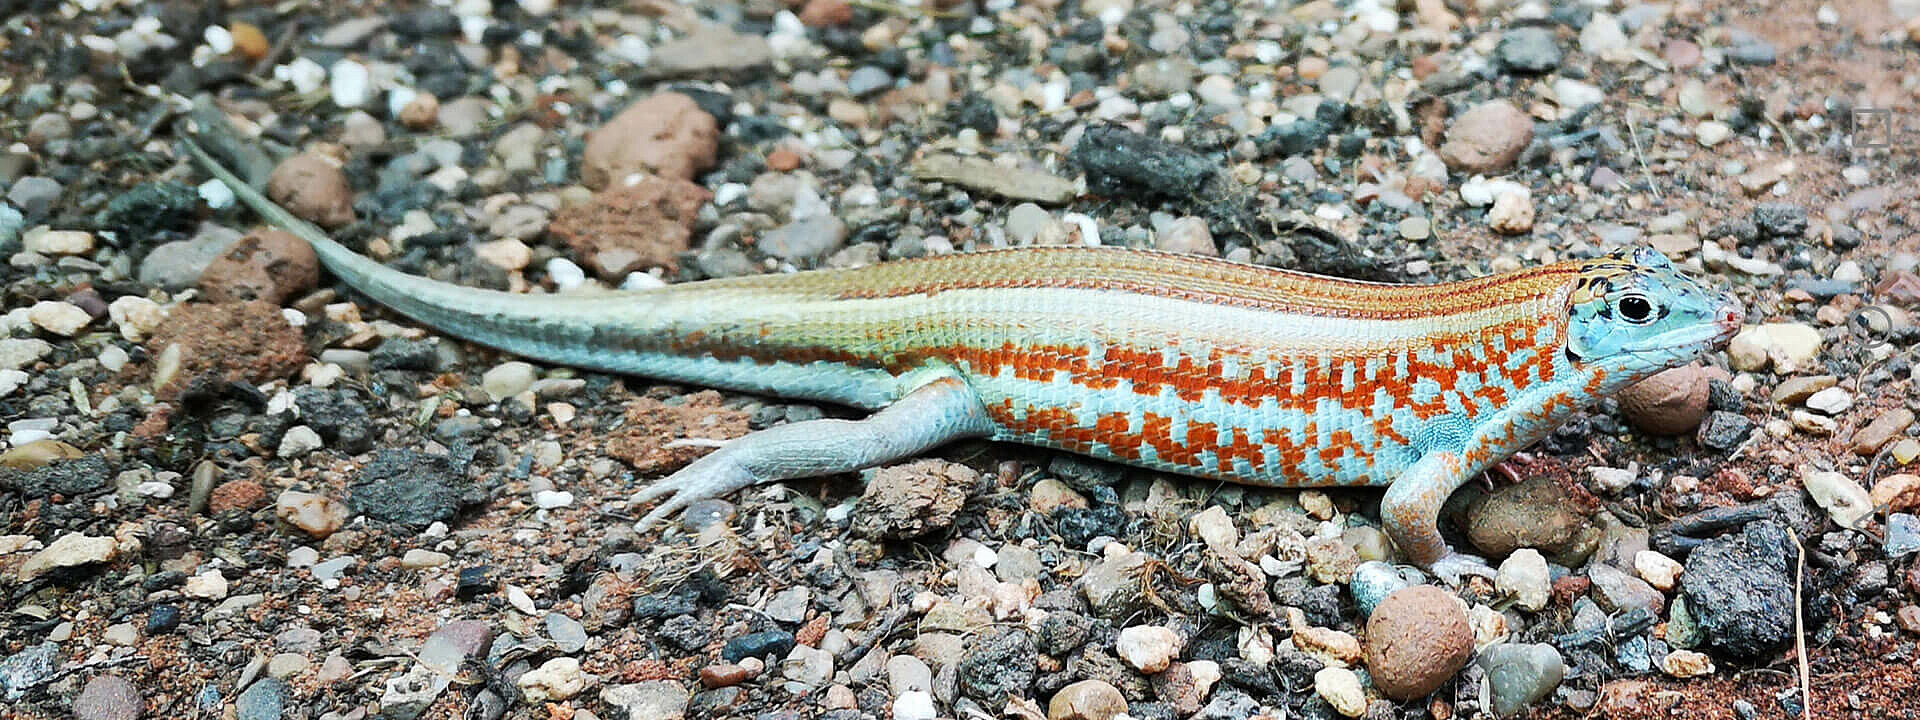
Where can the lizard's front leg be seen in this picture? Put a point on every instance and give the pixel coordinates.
(934, 414)
(1410, 512)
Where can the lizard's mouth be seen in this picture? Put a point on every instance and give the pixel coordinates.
(1686, 343)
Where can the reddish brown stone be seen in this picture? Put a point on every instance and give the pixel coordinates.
(1901, 287)
(913, 499)
(628, 228)
(653, 425)
(665, 135)
(227, 342)
(719, 676)
(313, 187)
(1683, 54)
(268, 264)
(240, 494)
(422, 112)
(1487, 139)
(827, 13)
(1671, 402)
(1416, 640)
(811, 633)
(783, 160)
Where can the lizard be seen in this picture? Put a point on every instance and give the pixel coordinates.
(1172, 362)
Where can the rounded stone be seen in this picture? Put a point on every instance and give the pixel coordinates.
(266, 264)
(1672, 402)
(1416, 640)
(1087, 700)
(108, 697)
(314, 188)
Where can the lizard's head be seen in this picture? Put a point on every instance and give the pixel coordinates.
(1633, 314)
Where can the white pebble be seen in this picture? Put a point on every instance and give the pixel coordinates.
(350, 84)
(58, 242)
(1712, 132)
(219, 40)
(306, 76)
(136, 316)
(641, 281)
(298, 441)
(60, 318)
(43, 424)
(519, 599)
(985, 556)
(550, 499)
(565, 274)
(914, 705)
(302, 557)
(28, 437)
(1831, 401)
(398, 98)
(217, 194)
(633, 49)
(113, 358)
(728, 193)
(11, 380)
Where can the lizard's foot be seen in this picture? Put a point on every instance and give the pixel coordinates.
(1506, 472)
(717, 473)
(1456, 566)
(932, 415)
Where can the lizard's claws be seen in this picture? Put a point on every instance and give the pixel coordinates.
(713, 475)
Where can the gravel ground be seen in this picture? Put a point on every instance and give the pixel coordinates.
(231, 488)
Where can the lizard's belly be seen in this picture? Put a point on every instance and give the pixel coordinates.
(1207, 433)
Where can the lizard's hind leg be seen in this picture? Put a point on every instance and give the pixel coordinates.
(934, 414)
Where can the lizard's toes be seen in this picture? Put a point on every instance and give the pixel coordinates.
(679, 501)
(711, 476)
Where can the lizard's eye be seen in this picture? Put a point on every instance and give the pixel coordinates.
(1636, 309)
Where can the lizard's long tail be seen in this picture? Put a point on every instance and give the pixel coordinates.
(694, 333)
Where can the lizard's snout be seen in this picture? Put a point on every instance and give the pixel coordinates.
(1732, 315)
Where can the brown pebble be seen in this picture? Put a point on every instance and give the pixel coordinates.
(783, 160)
(38, 454)
(1416, 640)
(242, 494)
(1909, 618)
(267, 264)
(313, 187)
(811, 633)
(249, 41)
(1672, 402)
(1899, 492)
(910, 500)
(719, 676)
(827, 13)
(226, 342)
(627, 228)
(666, 134)
(1487, 139)
(1882, 430)
(421, 112)
(1087, 700)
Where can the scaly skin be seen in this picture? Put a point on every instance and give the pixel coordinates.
(1177, 363)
